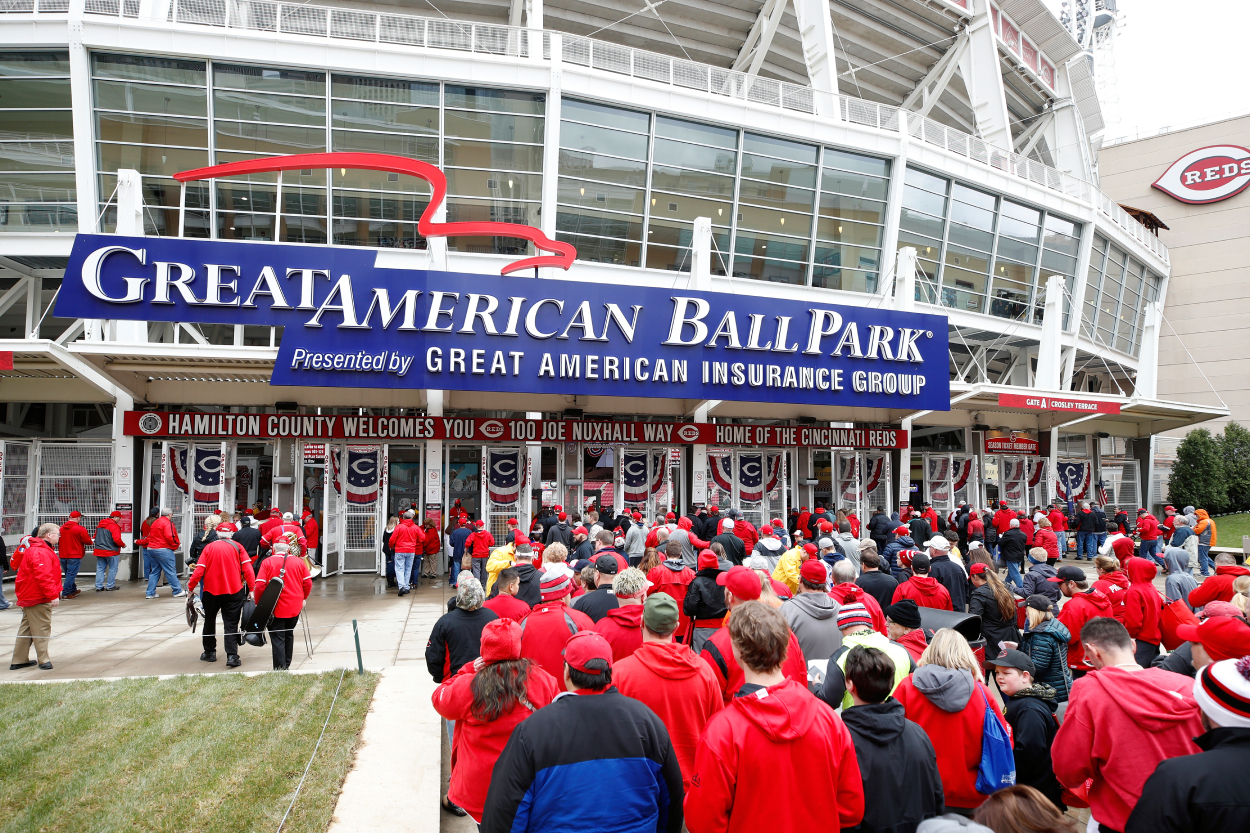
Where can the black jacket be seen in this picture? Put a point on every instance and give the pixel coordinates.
(921, 532)
(880, 529)
(1087, 522)
(249, 538)
(1031, 715)
(1013, 546)
(560, 532)
(1203, 793)
(705, 599)
(531, 591)
(735, 550)
(880, 585)
(201, 541)
(951, 576)
(1180, 661)
(896, 759)
(597, 602)
(993, 627)
(456, 639)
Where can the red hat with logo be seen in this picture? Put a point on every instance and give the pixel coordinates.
(480, 522)
(811, 549)
(583, 647)
(766, 530)
(637, 515)
(814, 571)
(116, 513)
(740, 581)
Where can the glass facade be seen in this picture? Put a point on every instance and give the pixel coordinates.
(1117, 290)
(37, 189)
(983, 253)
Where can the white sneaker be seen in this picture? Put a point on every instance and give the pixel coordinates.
(180, 594)
(153, 596)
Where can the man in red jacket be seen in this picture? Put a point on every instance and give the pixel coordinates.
(1084, 603)
(278, 531)
(74, 543)
(1219, 587)
(922, 588)
(551, 623)
(1148, 532)
(745, 531)
(312, 534)
(1059, 526)
(270, 519)
(1002, 518)
(479, 544)
(1122, 721)
(1143, 609)
(38, 589)
(296, 586)
(741, 586)
(224, 568)
(776, 741)
(673, 577)
(162, 542)
(505, 603)
(108, 546)
(670, 679)
(407, 540)
(622, 625)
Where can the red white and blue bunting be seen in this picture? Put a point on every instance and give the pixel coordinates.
(750, 474)
(1073, 481)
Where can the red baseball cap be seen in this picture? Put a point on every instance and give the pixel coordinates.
(901, 528)
(1222, 637)
(116, 513)
(480, 522)
(740, 581)
(814, 571)
(977, 569)
(777, 522)
(766, 530)
(512, 522)
(712, 509)
(637, 516)
(562, 517)
(75, 514)
(811, 549)
(558, 508)
(670, 516)
(581, 530)
(583, 647)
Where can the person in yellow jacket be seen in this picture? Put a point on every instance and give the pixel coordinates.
(791, 561)
(500, 559)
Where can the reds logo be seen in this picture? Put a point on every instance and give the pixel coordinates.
(1207, 175)
(493, 429)
(688, 433)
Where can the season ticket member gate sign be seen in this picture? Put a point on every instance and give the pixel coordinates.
(350, 323)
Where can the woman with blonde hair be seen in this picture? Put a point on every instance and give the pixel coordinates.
(1241, 592)
(1045, 641)
(947, 698)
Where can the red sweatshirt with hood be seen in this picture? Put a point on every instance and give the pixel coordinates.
(622, 627)
(744, 530)
(1119, 726)
(546, 629)
(1219, 587)
(1075, 613)
(719, 656)
(950, 706)
(678, 686)
(778, 743)
(925, 591)
(1143, 606)
(1114, 586)
(845, 594)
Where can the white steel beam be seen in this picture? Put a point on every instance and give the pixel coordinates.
(15, 293)
(816, 33)
(984, 80)
(759, 39)
(1034, 133)
(1049, 371)
(926, 94)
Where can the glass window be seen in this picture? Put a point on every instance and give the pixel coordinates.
(143, 68)
(778, 171)
(696, 157)
(28, 93)
(603, 168)
(925, 181)
(688, 131)
(33, 64)
(842, 160)
(133, 97)
(502, 101)
(856, 185)
(424, 148)
(589, 194)
(384, 90)
(595, 140)
(494, 127)
(263, 79)
(610, 117)
(779, 148)
(265, 107)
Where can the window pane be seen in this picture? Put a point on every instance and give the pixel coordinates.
(494, 184)
(613, 117)
(692, 182)
(252, 137)
(149, 98)
(603, 250)
(584, 137)
(37, 188)
(844, 231)
(262, 107)
(39, 125)
(852, 208)
(1056, 263)
(681, 154)
(771, 246)
(682, 207)
(925, 247)
(36, 219)
(599, 223)
(773, 221)
(861, 257)
(962, 279)
(689, 131)
(374, 206)
(606, 168)
(140, 68)
(1010, 227)
(1058, 225)
(855, 185)
(1016, 251)
(968, 260)
(469, 154)
(374, 181)
(962, 235)
(260, 79)
(774, 271)
(971, 216)
(776, 170)
(36, 156)
(18, 93)
(18, 64)
(390, 117)
(149, 159)
(848, 280)
(920, 179)
(387, 90)
(507, 101)
(151, 130)
(924, 201)
(587, 194)
(973, 197)
(424, 148)
(776, 196)
(854, 162)
(782, 148)
(497, 127)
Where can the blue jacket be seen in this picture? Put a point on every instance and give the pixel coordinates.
(457, 544)
(606, 739)
(892, 550)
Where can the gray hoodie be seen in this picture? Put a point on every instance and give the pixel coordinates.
(947, 688)
(1179, 580)
(849, 545)
(814, 619)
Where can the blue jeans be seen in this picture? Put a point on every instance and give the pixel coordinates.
(4, 603)
(69, 566)
(1013, 574)
(106, 571)
(1204, 559)
(403, 568)
(1102, 539)
(162, 561)
(1086, 544)
(1150, 549)
(1061, 538)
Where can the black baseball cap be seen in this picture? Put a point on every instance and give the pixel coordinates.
(1014, 659)
(1038, 602)
(1068, 573)
(606, 564)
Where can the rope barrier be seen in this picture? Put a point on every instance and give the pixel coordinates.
(300, 785)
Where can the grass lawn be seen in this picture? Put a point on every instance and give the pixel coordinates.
(197, 753)
(1230, 528)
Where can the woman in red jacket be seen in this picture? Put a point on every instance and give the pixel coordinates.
(430, 550)
(296, 585)
(488, 698)
(1143, 608)
(946, 697)
(1112, 582)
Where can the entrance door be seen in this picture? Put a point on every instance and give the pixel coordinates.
(949, 479)
(751, 480)
(175, 491)
(648, 476)
(862, 481)
(504, 476)
(15, 491)
(359, 484)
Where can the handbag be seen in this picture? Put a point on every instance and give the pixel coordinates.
(998, 762)
(1174, 614)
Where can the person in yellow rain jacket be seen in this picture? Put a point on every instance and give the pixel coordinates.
(500, 558)
(791, 562)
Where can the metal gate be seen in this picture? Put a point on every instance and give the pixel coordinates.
(360, 485)
(332, 530)
(15, 491)
(647, 477)
(753, 481)
(862, 481)
(504, 486)
(949, 479)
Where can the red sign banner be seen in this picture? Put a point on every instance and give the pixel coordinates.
(1039, 402)
(192, 426)
(1011, 445)
(6, 359)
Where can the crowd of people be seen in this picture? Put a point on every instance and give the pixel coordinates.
(799, 675)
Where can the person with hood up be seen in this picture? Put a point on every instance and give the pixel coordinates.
(559, 532)
(488, 698)
(897, 762)
(902, 622)
(848, 545)
(787, 571)
(880, 528)
(1030, 708)
(947, 573)
(902, 541)
(856, 627)
(922, 588)
(1219, 587)
(1045, 642)
(552, 622)
(500, 557)
(1143, 608)
(1122, 721)
(671, 680)
(1204, 530)
(873, 580)
(691, 545)
(673, 577)
(769, 546)
(1037, 581)
(1222, 633)
(735, 549)
(622, 625)
(1084, 603)
(995, 604)
(812, 615)
(775, 758)
(946, 697)
(529, 590)
(744, 530)
(976, 527)
(1196, 793)
(107, 547)
(1112, 582)
(704, 604)
(1179, 582)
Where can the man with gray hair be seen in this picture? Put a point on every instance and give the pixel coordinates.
(1013, 546)
(622, 625)
(456, 638)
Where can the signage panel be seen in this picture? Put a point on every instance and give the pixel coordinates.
(1207, 175)
(1041, 402)
(352, 324)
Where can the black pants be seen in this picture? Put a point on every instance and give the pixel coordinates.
(1145, 653)
(231, 607)
(282, 639)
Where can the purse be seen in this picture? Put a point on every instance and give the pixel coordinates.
(1174, 614)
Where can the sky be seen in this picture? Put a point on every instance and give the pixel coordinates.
(1175, 69)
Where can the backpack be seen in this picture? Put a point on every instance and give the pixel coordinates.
(998, 762)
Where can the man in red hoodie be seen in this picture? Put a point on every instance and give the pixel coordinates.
(776, 741)
(1219, 587)
(1143, 608)
(225, 569)
(1002, 518)
(670, 679)
(551, 623)
(407, 540)
(1084, 603)
(622, 625)
(479, 544)
(1148, 532)
(741, 586)
(745, 530)
(38, 589)
(108, 546)
(922, 588)
(74, 543)
(673, 577)
(1122, 721)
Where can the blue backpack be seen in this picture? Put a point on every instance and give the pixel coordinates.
(998, 762)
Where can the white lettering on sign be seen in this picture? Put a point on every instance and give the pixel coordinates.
(1207, 175)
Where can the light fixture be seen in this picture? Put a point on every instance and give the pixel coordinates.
(653, 202)
(839, 229)
(509, 183)
(783, 221)
(720, 212)
(583, 190)
(342, 171)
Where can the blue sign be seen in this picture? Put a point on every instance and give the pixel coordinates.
(352, 324)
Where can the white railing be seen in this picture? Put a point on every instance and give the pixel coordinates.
(517, 42)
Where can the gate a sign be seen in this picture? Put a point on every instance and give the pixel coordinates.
(1207, 175)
